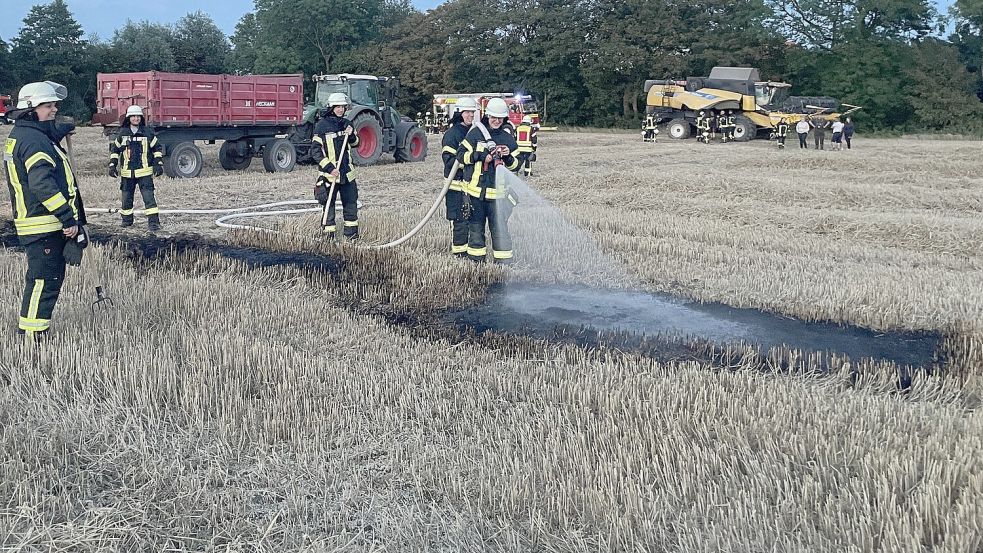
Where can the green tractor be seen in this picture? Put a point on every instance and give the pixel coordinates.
(380, 128)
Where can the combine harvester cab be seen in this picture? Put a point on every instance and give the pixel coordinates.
(380, 128)
(759, 105)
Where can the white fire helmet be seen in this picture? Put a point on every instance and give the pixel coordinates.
(134, 110)
(337, 99)
(497, 108)
(467, 104)
(33, 95)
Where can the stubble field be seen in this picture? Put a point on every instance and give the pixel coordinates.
(220, 407)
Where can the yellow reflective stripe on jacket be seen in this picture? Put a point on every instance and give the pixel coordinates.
(70, 179)
(42, 224)
(317, 139)
(450, 150)
(55, 202)
(20, 205)
(38, 157)
(457, 185)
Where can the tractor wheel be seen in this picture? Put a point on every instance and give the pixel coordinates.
(369, 148)
(279, 156)
(679, 129)
(744, 129)
(229, 158)
(414, 146)
(184, 161)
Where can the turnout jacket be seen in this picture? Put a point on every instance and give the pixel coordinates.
(42, 187)
(452, 144)
(329, 135)
(479, 177)
(136, 153)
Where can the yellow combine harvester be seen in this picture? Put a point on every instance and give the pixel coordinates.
(759, 105)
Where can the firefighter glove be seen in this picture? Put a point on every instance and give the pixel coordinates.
(74, 246)
(158, 169)
(113, 171)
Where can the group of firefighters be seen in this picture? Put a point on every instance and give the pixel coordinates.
(724, 123)
(49, 215)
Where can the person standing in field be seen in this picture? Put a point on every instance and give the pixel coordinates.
(135, 157)
(333, 139)
(48, 215)
(848, 132)
(802, 129)
(781, 131)
(456, 202)
(838, 135)
(482, 151)
(819, 132)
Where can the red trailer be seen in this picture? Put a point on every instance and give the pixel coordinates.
(252, 114)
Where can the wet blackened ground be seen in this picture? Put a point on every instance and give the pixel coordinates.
(541, 311)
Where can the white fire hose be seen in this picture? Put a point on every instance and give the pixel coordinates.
(264, 211)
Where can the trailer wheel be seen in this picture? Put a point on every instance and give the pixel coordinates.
(184, 161)
(279, 156)
(227, 156)
(414, 146)
(369, 133)
(744, 129)
(679, 129)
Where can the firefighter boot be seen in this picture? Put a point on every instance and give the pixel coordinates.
(126, 220)
(153, 223)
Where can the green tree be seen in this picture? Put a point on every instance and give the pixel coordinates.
(244, 45)
(317, 30)
(199, 46)
(142, 46)
(953, 105)
(50, 46)
(828, 24)
(7, 78)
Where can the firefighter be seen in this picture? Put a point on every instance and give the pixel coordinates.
(47, 206)
(731, 124)
(650, 130)
(458, 206)
(136, 158)
(720, 122)
(483, 149)
(334, 137)
(781, 131)
(526, 139)
(703, 126)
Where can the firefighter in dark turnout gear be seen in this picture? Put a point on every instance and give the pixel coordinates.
(333, 139)
(527, 141)
(457, 203)
(781, 131)
(47, 206)
(490, 206)
(650, 129)
(136, 157)
(703, 127)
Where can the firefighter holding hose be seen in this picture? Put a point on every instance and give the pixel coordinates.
(47, 205)
(482, 151)
(135, 157)
(458, 206)
(333, 139)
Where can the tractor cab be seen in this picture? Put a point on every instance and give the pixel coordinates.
(372, 111)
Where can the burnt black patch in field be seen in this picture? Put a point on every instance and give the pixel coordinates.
(639, 321)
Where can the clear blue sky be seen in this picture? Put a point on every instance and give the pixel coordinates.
(104, 16)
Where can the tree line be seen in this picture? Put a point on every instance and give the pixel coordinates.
(586, 60)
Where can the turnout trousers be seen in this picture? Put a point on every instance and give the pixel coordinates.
(128, 187)
(349, 208)
(494, 214)
(42, 284)
(458, 205)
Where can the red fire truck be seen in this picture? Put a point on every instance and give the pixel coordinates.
(6, 104)
(445, 106)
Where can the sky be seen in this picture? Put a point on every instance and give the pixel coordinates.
(102, 17)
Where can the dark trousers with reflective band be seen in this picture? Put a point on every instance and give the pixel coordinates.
(349, 208)
(494, 214)
(128, 186)
(525, 163)
(45, 275)
(455, 201)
